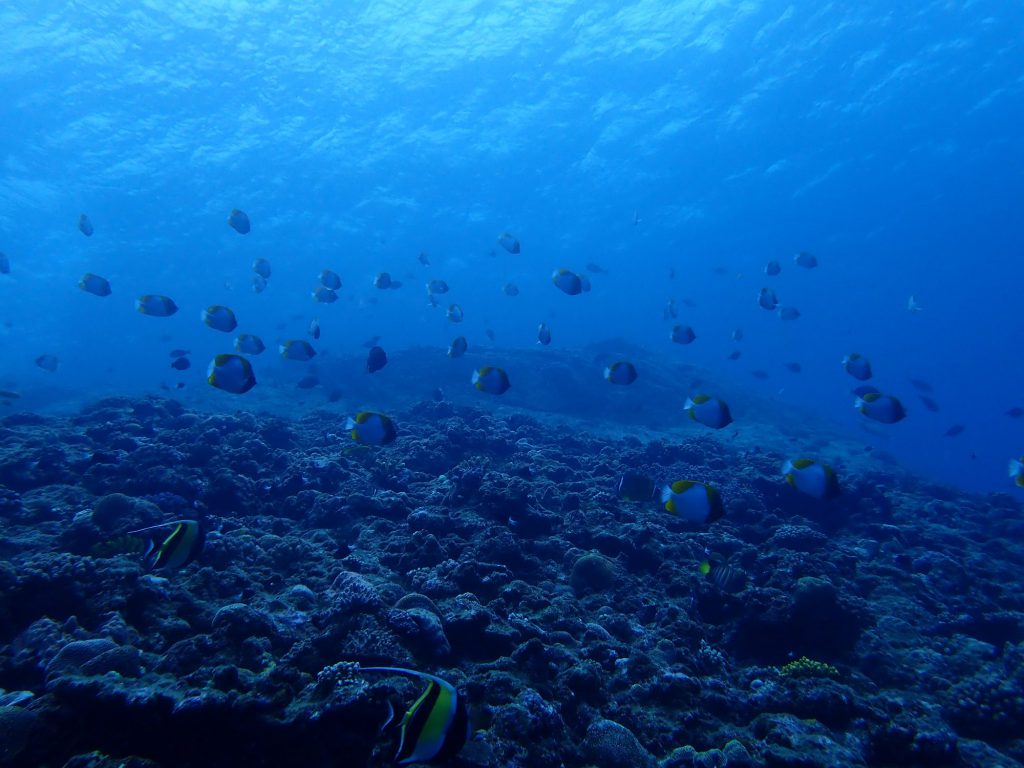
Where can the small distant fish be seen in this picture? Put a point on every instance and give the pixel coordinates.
(928, 403)
(509, 289)
(811, 477)
(94, 284)
(330, 279)
(454, 313)
(737, 334)
(760, 374)
(48, 362)
(671, 312)
(179, 548)
(424, 259)
(806, 260)
(231, 373)
(297, 349)
(508, 242)
(723, 576)
(382, 281)
(262, 268)
(883, 408)
(458, 347)
(620, 372)
(249, 344)
(437, 286)
(543, 334)
(912, 306)
(772, 268)
(682, 334)
(954, 431)
(156, 306)
(376, 359)
(490, 334)
(734, 355)
(220, 318)
(309, 381)
(636, 218)
(635, 486)
(438, 395)
(1015, 413)
(793, 367)
(7, 394)
(85, 226)
(597, 269)
(179, 352)
(324, 295)
(1017, 471)
(709, 411)
(490, 379)
(692, 501)
(5, 264)
(371, 428)
(436, 727)
(921, 385)
(181, 364)
(569, 282)
(789, 313)
(259, 284)
(239, 221)
(314, 329)
(767, 299)
(857, 366)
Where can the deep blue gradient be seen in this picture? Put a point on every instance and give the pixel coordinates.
(886, 139)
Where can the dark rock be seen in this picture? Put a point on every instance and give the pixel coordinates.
(15, 728)
(612, 745)
(238, 622)
(593, 573)
(75, 655)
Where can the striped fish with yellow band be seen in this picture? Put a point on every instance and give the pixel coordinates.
(436, 726)
(722, 575)
(179, 548)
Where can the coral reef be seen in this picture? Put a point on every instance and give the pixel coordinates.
(883, 627)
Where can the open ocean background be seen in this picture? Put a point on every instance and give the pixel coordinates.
(885, 139)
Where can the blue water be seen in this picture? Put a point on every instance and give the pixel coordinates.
(883, 138)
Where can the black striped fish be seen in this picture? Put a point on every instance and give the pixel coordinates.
(181, 546)
(436, 726)
(723, 576)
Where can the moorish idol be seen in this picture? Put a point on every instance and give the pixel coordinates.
(179, 548)
(436, 726)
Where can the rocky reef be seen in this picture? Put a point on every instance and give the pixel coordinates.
(883, 627)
